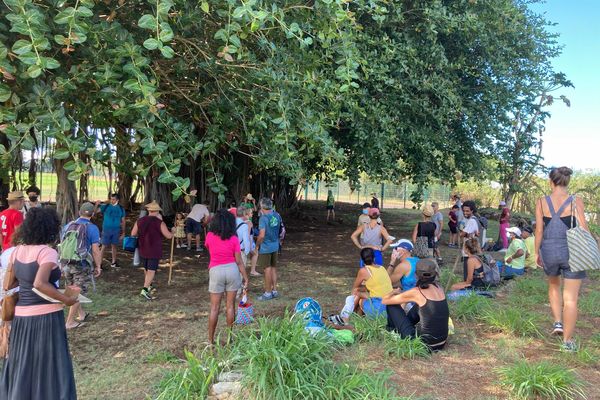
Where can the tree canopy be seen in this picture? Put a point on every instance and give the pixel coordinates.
(227, 96)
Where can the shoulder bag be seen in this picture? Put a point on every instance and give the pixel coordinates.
(583, 248)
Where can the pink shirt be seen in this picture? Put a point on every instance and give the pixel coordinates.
(221, 251)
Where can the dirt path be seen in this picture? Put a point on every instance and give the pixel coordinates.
(129, 343)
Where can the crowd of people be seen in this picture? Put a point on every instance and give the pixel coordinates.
(249, 235)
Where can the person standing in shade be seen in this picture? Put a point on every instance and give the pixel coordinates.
(150, 231)
(374, 201)
(425, 229)
(33, 195)
(81, 273)
(195, 222)
(470, 230)
(453, 226)
(39, 363)
(225, 268)
(438, 220)
(11, 218)
(504, 224)
(364, 215)
(113, 226)
(458, 203)
(371, 235)
(554, 215)
(268, 247)
(330, 205)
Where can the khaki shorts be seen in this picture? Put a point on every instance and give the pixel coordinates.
(224, 278)
(245, 259)
(79, 276)
(267, 260)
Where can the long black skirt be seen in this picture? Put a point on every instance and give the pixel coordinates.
(39, 364)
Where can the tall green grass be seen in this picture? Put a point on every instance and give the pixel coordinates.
(530, 291)
(406, 348)
(589, 303)
(541, 380)
(512, 320)
(368, 329)
(470, 308)
(192, 382)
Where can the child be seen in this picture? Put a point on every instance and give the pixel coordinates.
(330, 205)
(453, 225)
(180, 230)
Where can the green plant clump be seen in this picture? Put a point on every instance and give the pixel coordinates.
(368, 329)
(406, 348)
(513, 321)
(470, 308)
(191, 382)
(541, 380)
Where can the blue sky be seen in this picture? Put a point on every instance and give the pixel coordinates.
(572, 136)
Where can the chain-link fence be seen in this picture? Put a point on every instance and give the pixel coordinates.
(389, 195)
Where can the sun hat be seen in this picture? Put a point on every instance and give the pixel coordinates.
(153, 207)
(366, 205)
(427, 211)
(373, 194)
(502, 203)
(87, 209)
(373, 211)
(514, 230)
(249, 197)
(403, 244)
(426, 268)
(16, 195)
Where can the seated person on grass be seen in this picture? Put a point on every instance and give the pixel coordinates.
(529, 239)
(402, 265)
(514, 259)
(428, 318)
(377, 283)
(474, 267)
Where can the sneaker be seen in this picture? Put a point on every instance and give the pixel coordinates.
(198, 249)
(265, 296)
(188, 247)
(275, 294)
(569, 346)
(178, 246)
(152, 288)
(145, 293)
(114, 265)
(557, 328)
(336, 320)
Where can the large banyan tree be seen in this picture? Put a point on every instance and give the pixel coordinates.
(228, 96)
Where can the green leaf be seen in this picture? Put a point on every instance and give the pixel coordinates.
(28, 58)
(60, 39)
(132, 84)
(61, 154)
(51, 63)
(344, 88)
(21, 47)
(151, 44)
(167, 52)
(84, 11)
(205, 7)
(239, 12)
(166, 33)
(70, 165)
(74, 175)
(147, 21)
(163, 8)
(5, 92)
(65, 16)
(34, 71)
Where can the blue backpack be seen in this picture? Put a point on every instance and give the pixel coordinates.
(309, 310)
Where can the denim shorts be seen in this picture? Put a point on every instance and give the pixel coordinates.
(110, 236)
(373, 307)
(562, 268)
(192, 226)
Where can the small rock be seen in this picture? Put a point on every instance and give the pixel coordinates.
(232, 376)
(231, 388)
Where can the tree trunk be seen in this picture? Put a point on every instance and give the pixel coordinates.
(66, 193)
(32, 174)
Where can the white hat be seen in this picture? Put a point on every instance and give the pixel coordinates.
(516, 231)
(404, 244)
(502, 203)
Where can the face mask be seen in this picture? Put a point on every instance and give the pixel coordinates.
(365, 212)
(33, 198)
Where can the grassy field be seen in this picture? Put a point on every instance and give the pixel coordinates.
(133, 349)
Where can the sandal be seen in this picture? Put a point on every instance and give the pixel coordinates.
(85, 317)
(255, 273)
(79, 324)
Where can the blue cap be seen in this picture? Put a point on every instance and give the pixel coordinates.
(403, 244)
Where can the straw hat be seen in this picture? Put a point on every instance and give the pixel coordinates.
(153, 207)
(249, 197)
(428, 211)
(16, 195)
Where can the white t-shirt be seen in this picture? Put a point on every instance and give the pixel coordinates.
(4, 261)
(471, 229)
(199, 211)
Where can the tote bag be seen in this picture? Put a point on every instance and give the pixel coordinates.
(583, 248)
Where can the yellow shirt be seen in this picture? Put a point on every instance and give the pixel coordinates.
(379, 283)
(531, 260)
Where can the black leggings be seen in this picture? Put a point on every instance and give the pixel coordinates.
(401, 322)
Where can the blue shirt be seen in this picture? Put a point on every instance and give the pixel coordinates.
(410, 281)
(93, 233)
(112, 216)
(271, 223)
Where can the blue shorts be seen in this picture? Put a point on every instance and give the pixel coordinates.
(192, 226)
(373, 307)
(378, 258)
(111, 236)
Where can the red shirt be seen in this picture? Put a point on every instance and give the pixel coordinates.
(9, 220)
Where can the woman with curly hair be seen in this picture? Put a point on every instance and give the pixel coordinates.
(39, 363)
(225, 268)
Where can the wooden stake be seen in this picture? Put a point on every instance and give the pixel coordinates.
(171, 260)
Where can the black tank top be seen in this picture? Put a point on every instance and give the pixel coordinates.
(25, 274)
(433, 323)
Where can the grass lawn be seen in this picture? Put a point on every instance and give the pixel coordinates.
(129, 345)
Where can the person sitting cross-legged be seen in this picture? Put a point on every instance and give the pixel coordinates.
(474, 267)
(514, 261)
(428, 318)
